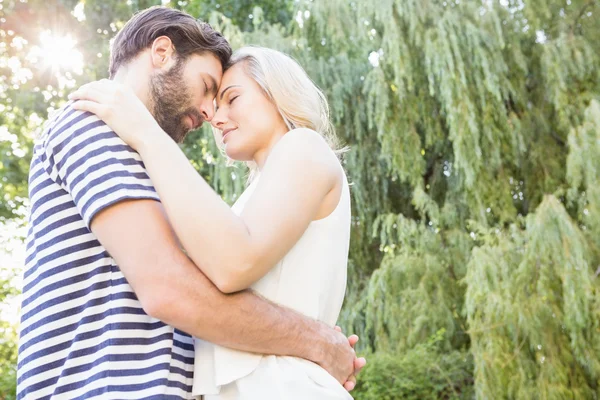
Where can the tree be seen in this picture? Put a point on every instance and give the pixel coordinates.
(485, 119)
(474, 130)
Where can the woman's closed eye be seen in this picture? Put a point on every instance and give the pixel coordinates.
(233, 98)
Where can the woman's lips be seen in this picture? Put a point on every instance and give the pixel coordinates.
(226, 132)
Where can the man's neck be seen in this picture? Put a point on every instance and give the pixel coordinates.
(131, 77)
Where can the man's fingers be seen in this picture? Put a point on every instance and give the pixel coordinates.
(350, 383)
(337, 328)
(359, 364)
(353, 339)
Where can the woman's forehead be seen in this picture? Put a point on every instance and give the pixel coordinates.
(234, 73)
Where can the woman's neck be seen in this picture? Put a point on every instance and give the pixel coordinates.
(260, 157)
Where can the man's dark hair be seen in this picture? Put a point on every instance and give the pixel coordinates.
(189, 36)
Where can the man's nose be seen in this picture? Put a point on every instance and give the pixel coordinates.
(208, 112)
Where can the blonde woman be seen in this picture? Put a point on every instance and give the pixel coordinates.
(286, 237)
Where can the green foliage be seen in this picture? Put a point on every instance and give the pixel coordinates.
(532, 308)
(8, 334)
(480, 112)
(474, 129)
(245, 15)
(8, 361)
(424, 372)
(414, 293)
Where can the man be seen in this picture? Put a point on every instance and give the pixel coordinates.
(108, 293)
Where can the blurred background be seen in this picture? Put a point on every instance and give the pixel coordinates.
(474, 129)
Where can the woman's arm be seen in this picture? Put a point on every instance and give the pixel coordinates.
(235, 251)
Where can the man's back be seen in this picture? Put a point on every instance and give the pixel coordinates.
(84, 334)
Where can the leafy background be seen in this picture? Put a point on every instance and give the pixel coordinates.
(474, 128)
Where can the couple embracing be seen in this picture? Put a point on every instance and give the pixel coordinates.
(140, 281)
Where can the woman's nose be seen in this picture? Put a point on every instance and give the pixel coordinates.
(217, 120)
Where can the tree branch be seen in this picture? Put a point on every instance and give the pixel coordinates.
(558, 139)
(581, 12)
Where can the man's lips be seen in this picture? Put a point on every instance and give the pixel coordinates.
(195, 121)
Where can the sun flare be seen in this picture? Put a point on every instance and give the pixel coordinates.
(58, 53)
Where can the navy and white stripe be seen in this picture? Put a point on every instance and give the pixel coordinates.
(84, 333)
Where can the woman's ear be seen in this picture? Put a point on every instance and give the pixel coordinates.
(163, 53)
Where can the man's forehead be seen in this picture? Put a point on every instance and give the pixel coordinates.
(205, 64)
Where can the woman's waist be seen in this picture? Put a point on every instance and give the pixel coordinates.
(216, 365)
(230, 365)
(305, 289)
(298, 365)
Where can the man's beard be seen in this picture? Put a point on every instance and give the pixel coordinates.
(171, 102)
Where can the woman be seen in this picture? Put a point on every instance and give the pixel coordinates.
(286, 237)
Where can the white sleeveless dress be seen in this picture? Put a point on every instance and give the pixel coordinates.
(310, 279)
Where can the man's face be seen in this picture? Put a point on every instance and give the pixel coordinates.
(182, 97)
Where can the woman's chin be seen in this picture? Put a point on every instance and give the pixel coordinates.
(236, 154)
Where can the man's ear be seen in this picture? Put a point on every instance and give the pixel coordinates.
(163, 53)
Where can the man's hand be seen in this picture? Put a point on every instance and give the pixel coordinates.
(338, 357)
(359, 363)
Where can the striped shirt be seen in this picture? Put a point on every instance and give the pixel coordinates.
(84, 333)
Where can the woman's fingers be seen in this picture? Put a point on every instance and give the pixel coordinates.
(89, 93)
(97, 97)
(103, 91)
(91, 106)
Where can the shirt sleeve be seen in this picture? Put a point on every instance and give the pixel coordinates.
(93, 164)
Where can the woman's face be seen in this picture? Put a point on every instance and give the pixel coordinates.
(247, 121)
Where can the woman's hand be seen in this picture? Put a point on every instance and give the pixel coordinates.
(119, 107)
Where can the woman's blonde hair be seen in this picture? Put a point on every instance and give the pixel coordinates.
(285, 83)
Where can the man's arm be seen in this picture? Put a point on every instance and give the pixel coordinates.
(171, 288)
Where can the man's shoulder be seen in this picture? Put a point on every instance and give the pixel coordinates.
(66, 117)
(67, 124)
